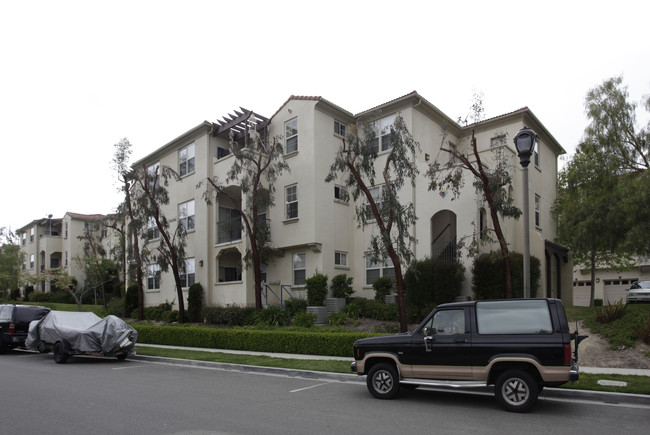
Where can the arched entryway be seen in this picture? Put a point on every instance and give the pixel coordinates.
(443, 236)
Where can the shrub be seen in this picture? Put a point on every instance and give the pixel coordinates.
(382, 287)
(598, 302)
(337, 319)
(116, 307)
(15, 294)
(295, 306)
(304, 320)
(169, 316)
(54, 297)
(156, 313)
(372, 309)
(316, 290)
(272, 316)
(488, 281)
(131, 299)
(644, 332)
(230, 316)
(609, 312)
(342, 286)
(195, 302)
(28, 290)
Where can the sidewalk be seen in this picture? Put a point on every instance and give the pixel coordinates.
(592, 370)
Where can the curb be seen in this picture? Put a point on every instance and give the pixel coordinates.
(547, 393)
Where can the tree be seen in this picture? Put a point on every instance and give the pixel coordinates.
(356, 161)
(256, 167)
(93, 256)
(590, 219)
(613, 130)
(149, 196)
(126, 177)
(11, 260)
(492, 181)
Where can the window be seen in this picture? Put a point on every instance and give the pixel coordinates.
(378, 269)
(537, 210)
(341, 193)
(31, 234)
(152, 229)
(382, 139)
(291, 136)
(24, 237)
(291, 201)
(66, 258)
(187, 275)
(447, 322)
(299, 269)
(186, 215)
(66, 230)
(153, 174)
(525, 317)
(498, 141)
(340, 258)
(222, 152)
(31, 261)
(482, 223)
(153, 277)
(339, 128)
(536, 153)
(377, 193)
(229, 227)
(186, 160)
(454, 152)
(229, 274)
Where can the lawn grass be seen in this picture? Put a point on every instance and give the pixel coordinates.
(589, 381)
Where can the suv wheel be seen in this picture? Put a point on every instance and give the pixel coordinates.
(383, 381)
(516, 390)
(60, 355)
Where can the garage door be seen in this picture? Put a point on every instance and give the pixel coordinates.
(615, 290)
(581, 293)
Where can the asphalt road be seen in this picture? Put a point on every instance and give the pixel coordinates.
(137, 397)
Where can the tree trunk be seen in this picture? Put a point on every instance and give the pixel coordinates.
(593, 278)
(399, 283)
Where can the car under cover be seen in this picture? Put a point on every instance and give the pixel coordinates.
(82, 332)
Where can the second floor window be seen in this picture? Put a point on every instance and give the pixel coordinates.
(31, 261)
(186, 160)
(152, 229)
(538, 201)
(299, 269)
(291, 200)
(291, 136)
(186, 215)
(341, 193)
(153, 277)
(187, 275)
(153, 175)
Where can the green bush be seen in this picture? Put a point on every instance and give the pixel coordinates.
(316, 289)
(116, 307)
(298, 342)
(341, 286)
(272, 316)
(156, 313)
(28, 291)
(304, 320)
(295, 306)
(488, 281)
(61, 297)
(372, 309)
(169, 316)
(337, 319)
(15, 294)
(382, 287)
(598, 302)
(610, 312)
(195, 302)
(131, 299)
(230, 316)
(428, 283)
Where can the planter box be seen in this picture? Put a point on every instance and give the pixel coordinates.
(334, 305)
(320, 313)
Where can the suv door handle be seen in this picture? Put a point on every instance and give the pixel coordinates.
(461, 340)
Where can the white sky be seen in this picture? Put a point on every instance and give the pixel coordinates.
(77, 76)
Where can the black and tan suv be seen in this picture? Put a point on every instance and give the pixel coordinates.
(14, 323)
(519, 346)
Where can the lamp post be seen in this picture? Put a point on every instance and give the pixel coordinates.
(525, 144)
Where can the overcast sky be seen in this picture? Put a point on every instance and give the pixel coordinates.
(77, 76)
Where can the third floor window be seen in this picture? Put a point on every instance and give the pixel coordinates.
(186, 160)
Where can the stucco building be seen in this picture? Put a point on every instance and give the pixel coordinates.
(313, 224)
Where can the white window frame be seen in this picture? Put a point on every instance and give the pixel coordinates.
(291, 136)
(186, 160)
(153, 232)
(153, 174)
(153, 277)
(291, 198)
(32, 261)
(340, 258)
(381, 127)
(538, 206)
(536, 154)
(31, 234)
(186, 215)
(341, 193)
(384, 267)
(339, 128)
(299, 264)
(188, 276)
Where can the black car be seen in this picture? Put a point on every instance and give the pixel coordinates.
(14, 323)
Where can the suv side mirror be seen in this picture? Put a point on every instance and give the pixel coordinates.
(428, 332)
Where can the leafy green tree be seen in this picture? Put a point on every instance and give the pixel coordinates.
(11, 260)
(126, 211)
(256, 168)
(356, 163)
(492, 180)
(613, 130)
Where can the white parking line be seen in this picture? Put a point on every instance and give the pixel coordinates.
(308, 388)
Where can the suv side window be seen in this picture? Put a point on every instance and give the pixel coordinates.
(6, 312)
(522, 317)
(447, 322)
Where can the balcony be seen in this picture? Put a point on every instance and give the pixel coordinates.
(229, 230)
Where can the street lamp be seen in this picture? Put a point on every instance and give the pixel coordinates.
(525, 143)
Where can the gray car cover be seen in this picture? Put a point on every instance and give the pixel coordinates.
(82, 332)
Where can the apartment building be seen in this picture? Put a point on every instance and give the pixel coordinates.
(313, 224)
(52, 243)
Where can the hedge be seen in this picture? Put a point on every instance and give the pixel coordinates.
(297, 342)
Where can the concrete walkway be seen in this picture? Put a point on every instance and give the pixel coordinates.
(594, 370)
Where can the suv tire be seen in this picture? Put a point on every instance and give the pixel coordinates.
(60, 355)
(383, 381)
(516, 390)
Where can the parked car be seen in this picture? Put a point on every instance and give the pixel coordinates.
(74, 333)
(638, 292)
(14, 324)
(519, 346)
